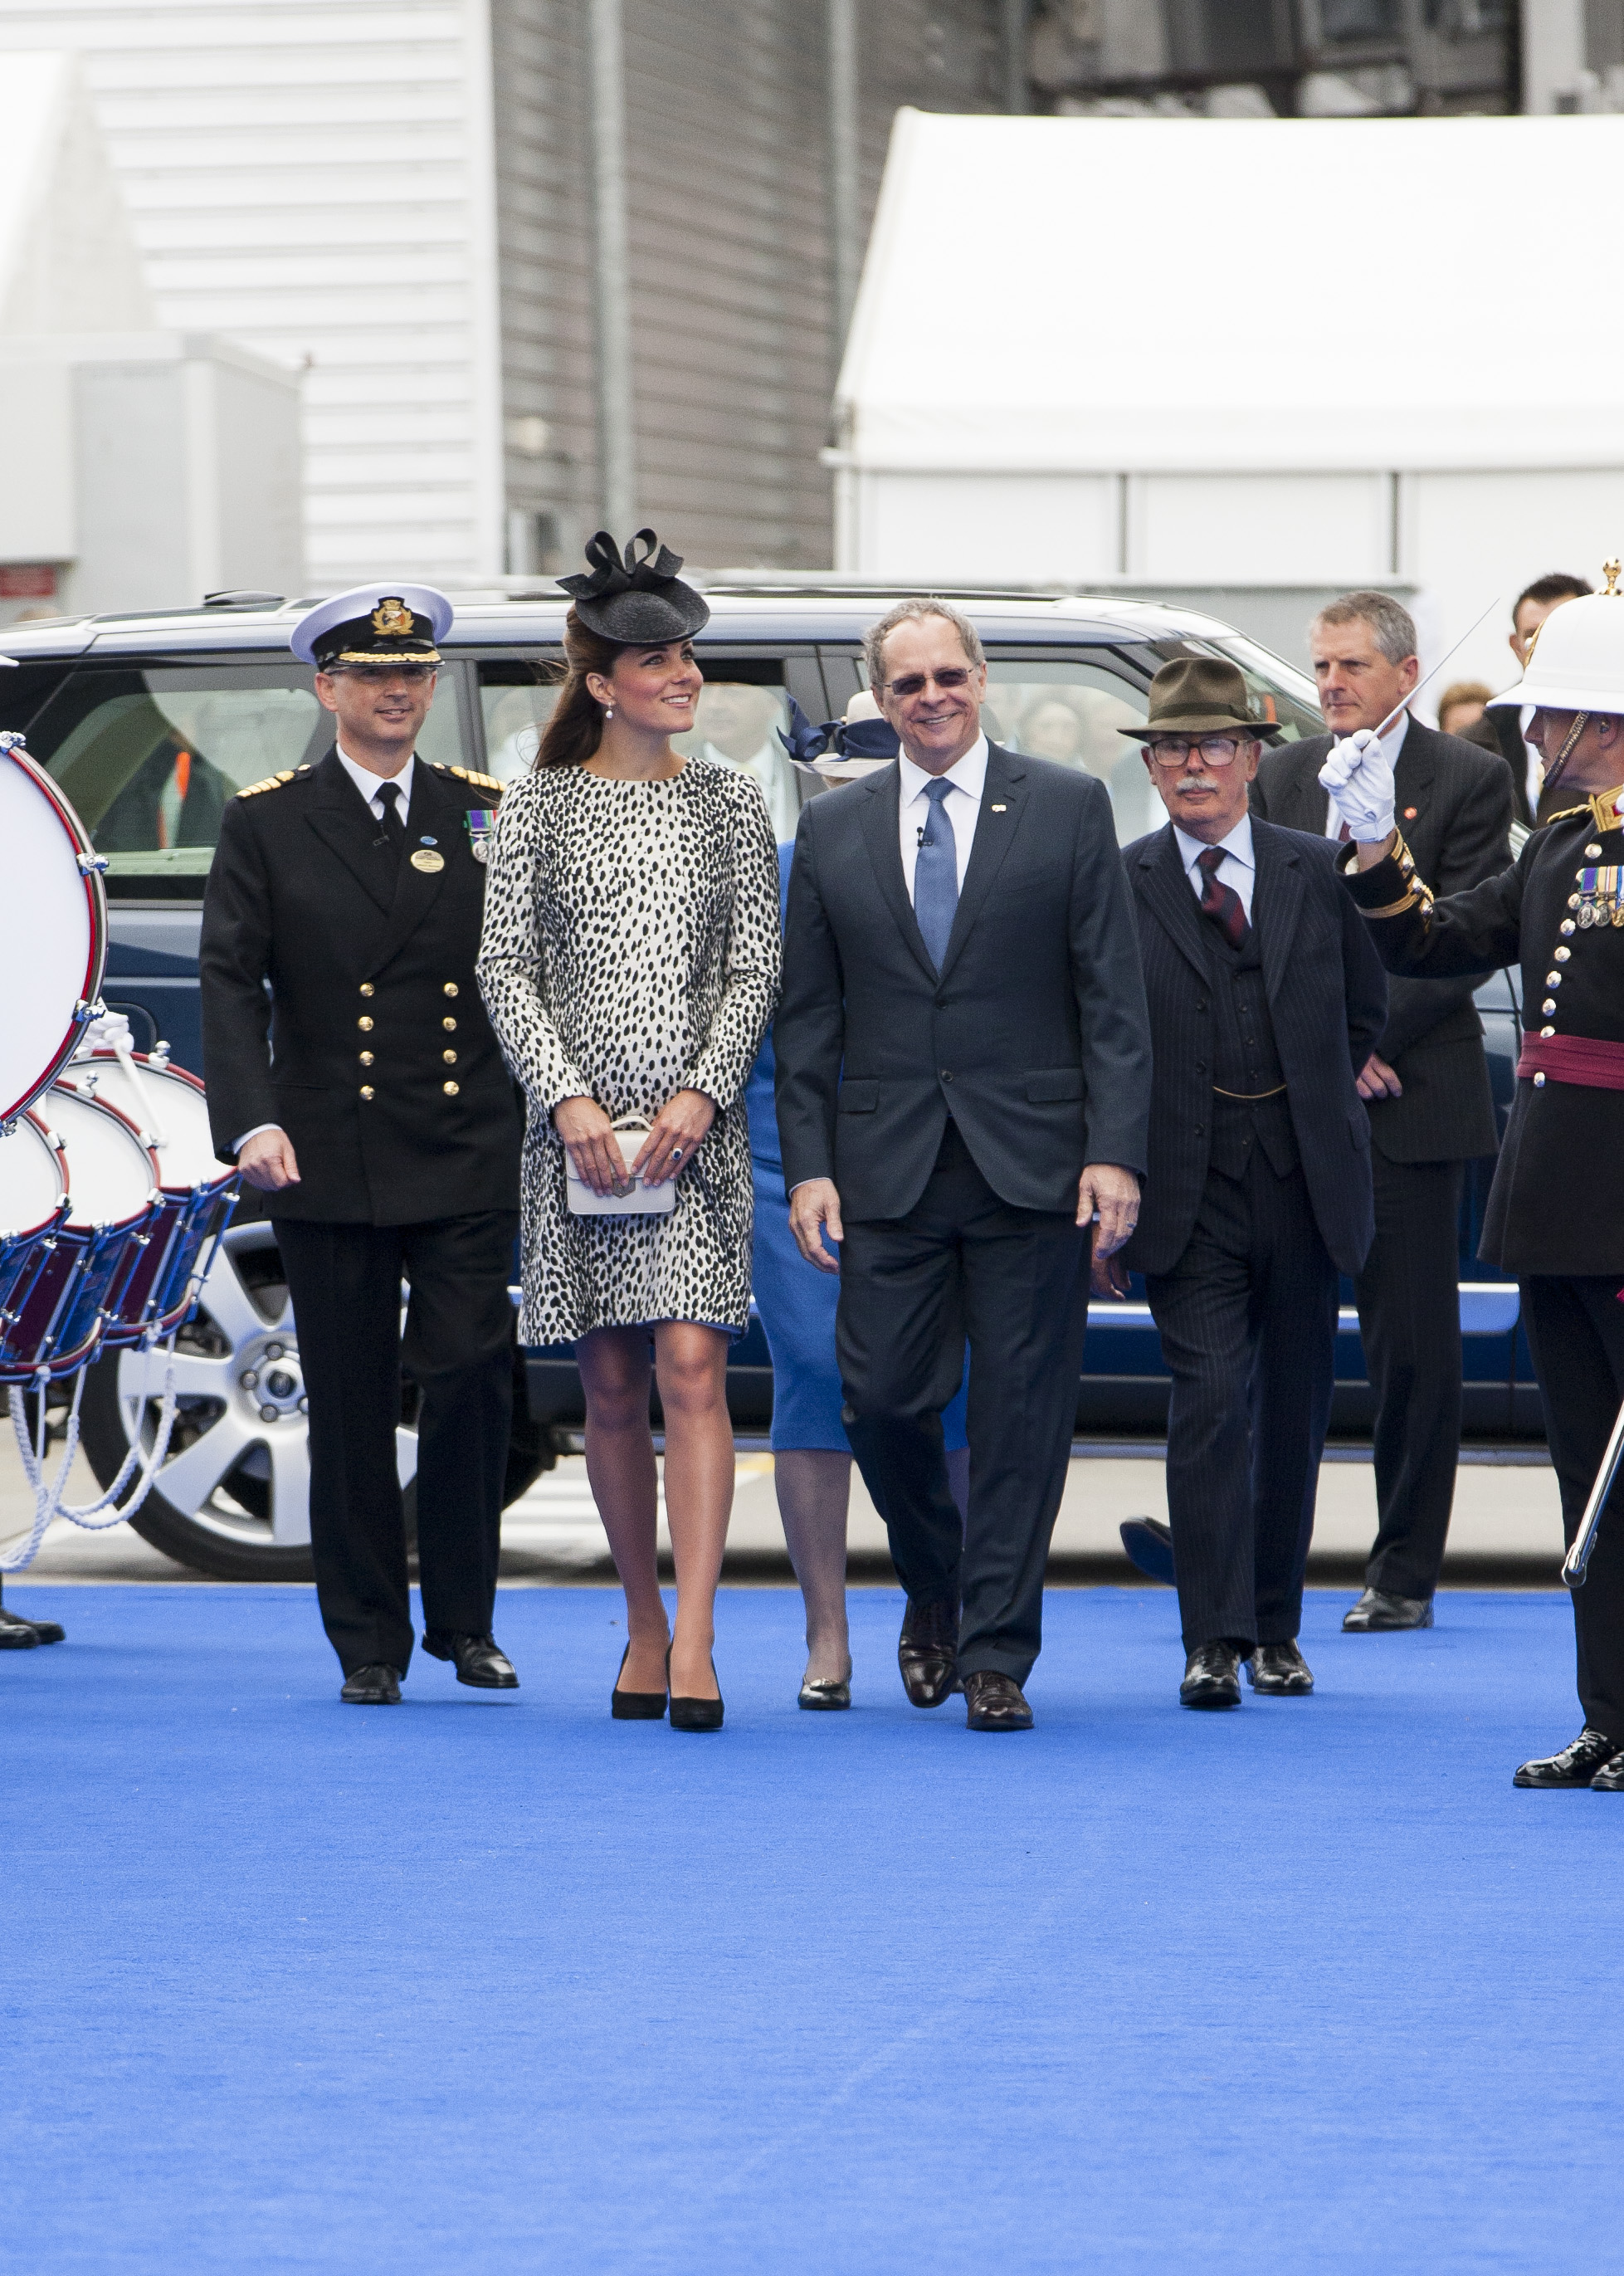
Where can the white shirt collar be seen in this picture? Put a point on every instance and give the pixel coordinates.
(968, 774)
(369, 784)
(1238, 844)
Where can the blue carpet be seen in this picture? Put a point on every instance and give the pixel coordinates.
(490, 1984)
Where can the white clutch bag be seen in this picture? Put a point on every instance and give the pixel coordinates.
(642, 1200)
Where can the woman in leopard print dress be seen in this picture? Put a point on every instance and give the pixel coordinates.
(630, 966)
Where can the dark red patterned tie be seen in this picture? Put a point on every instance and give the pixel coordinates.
(1221, 903)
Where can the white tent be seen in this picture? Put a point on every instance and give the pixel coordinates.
(1230, 353)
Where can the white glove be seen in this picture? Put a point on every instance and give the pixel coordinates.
(112, 1032)
(1359, 780)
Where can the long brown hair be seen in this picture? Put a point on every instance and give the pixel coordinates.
(576, 728)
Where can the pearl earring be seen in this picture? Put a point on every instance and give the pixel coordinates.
(608, 711)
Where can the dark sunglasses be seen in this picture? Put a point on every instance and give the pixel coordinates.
(915, 683)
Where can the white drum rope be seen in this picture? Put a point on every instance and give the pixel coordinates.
(49, 1504)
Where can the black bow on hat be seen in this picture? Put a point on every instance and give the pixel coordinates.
(635, 598)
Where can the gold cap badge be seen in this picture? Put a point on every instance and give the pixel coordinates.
(392, 617)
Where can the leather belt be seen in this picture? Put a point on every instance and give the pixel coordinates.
(1252, 1097)
(1583, 1059)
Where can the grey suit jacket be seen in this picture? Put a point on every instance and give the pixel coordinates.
(1454, 807)
(1034, 1031)
(1327, 1001)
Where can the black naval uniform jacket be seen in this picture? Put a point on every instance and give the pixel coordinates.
(1455, 803)
(339, 1000)
(1556, 1206)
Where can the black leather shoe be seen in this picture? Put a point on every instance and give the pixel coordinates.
(1575, 1765)
(635, 1706)
(18, 1635)
(372, 1687)
(1376, 1610)
(479, 1660)
(694, 1714)
(1149, 1543)
(1610, 1778)
(927, 1652)
(1211, 1677)
(824, 1697)
(994, 1702)
(1280, 1669)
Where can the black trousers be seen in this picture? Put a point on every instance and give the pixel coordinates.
(1248, 1323)
(1575, 1331)
(344, 1281)
(964, 1263)
(1410, 1320)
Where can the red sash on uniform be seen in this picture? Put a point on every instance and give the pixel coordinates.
(1583, 1059)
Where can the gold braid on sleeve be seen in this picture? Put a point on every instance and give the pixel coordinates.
(1419, 894)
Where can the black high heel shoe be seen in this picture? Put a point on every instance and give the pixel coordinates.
(826, 1696)
(635, 1706)
(694, 1714)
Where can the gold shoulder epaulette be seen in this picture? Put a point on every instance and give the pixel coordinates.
(274, 782)
(1603, 809)
(468, 774)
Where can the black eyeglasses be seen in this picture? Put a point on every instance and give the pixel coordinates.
(1175, 750)
(914, 683)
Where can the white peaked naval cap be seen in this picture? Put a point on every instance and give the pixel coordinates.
(1577, 663)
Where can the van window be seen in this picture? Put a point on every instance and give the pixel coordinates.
(148, 757)
(1070, 713)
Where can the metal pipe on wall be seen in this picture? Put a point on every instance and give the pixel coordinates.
(611, 274)
(1017, 85)
(845, 181)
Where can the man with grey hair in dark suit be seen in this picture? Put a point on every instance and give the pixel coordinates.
(1265, 1003)
(963, 1083)
(1425, 1087)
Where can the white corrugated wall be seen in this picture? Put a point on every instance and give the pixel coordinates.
(315, 178)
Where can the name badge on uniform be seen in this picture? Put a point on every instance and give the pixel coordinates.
(1601, 896)
(481, 823)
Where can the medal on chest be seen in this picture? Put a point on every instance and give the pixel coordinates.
(1600, 898)
(480, 822)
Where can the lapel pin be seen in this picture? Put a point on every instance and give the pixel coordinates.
(423, 859)
(1000, 809)
(1410, 812)
(434, 841)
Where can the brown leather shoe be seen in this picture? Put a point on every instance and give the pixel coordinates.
(994, 1702)
(927, 1652)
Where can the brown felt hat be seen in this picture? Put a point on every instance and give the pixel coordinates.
(1199, 695)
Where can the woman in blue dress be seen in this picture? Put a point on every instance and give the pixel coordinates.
(812, 1456)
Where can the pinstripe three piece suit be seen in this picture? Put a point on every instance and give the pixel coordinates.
(1258, 1194)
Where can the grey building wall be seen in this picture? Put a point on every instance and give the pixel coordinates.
(735, 361)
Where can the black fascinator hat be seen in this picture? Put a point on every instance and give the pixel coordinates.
(638, 599)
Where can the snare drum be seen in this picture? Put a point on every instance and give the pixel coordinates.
(198, 1190)
(34, 1202)
(113, 1203)
(53, 928)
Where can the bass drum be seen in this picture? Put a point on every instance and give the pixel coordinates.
(232, 1499)
(53, 928)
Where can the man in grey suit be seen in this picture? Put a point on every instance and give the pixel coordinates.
(964, 1085)
(1425, 1087)
(1264, 1003)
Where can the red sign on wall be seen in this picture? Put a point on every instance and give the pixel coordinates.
(27, 581)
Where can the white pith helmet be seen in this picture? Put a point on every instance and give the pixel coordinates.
(1576, 662)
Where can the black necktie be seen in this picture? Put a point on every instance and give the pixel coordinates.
(394, 828)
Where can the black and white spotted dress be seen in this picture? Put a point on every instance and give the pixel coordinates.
(631, 950)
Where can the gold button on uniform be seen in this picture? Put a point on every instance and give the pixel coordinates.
(450, 987)
(367, 1090)
(366, 1059)
(367, 989)
(1539, 1082)
(449, 1026)
(1562, 955)
(451, 1090)
(450, 1058)
(1592, 853)
(364, 1024)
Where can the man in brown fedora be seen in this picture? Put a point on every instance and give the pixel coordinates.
(1264, 1003)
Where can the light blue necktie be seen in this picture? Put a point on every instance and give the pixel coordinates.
(936, 875)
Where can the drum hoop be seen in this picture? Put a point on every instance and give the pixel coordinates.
(95, 902)
(155, 1194)
(58, 1217)
(163, 1071)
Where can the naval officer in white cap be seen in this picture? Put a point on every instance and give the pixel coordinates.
(354, 1079)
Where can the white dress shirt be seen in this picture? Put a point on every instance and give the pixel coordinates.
(1238, 867)
(961, 807)
(369, 784)
(1392, 744)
